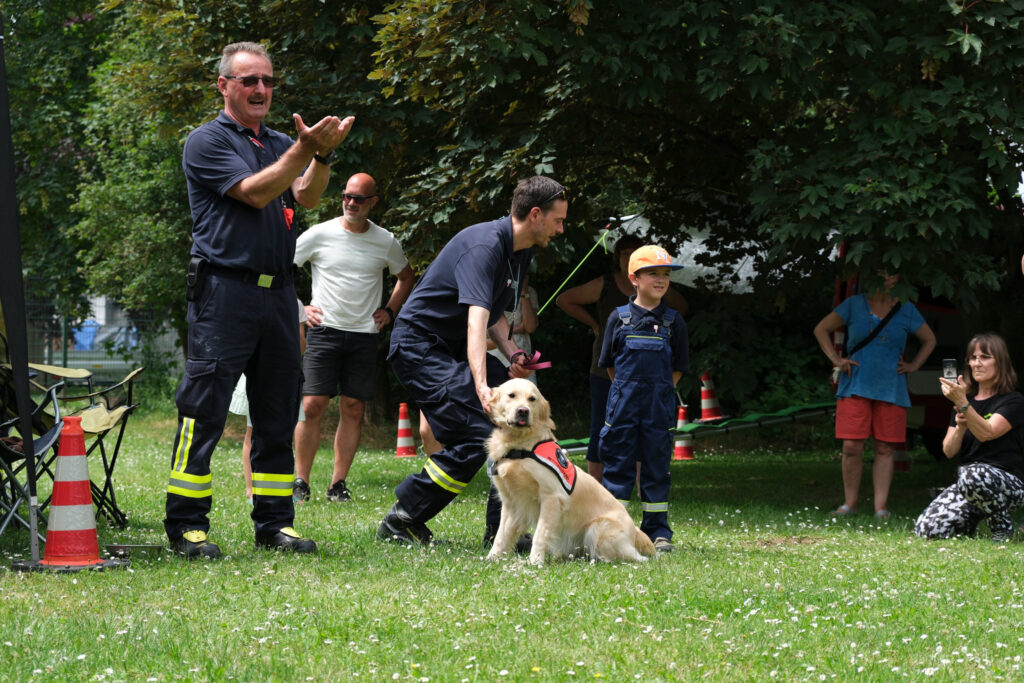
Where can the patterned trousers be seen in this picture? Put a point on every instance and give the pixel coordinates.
(981, 492)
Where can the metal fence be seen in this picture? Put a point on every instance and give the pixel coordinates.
(109, 343)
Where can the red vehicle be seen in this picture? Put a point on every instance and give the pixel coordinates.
(929, 412)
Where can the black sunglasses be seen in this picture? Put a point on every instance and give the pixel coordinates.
(250, 81)
(561, 194)
(357, 198)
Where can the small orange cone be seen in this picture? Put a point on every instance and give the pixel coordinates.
(684, 445)
(71, 542)
(710, 409)
(406, 445)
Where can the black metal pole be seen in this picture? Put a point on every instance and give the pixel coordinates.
(12, 294)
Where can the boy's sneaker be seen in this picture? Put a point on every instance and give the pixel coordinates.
(192, 545)
(398, 527)
(300, 490)
(338, 492)
(663, 545)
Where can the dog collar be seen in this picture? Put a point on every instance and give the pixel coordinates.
(552, 456)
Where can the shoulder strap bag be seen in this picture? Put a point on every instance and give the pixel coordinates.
(865, 341)
(874, 333)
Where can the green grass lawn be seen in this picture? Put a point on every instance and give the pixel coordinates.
(763, 585)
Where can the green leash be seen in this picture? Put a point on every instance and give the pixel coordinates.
(604, 234)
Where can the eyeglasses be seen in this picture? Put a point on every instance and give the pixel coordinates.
(561, 194)
(357, 198)
(250, 81)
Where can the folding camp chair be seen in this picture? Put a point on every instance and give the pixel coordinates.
(104, 414)
(13, 465)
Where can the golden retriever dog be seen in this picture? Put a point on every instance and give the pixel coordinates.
(540, 489)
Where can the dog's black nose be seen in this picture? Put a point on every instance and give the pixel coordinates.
(522, 415)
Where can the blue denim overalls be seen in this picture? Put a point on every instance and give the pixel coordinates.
(640, 413)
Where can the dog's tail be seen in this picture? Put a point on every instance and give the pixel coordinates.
(643, 544)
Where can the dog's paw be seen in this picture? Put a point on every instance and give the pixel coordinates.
(493, 556)
(537, 559)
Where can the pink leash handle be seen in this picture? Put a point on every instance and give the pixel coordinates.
(532, 363)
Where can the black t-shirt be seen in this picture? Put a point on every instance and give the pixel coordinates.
(476, 268)
(1006, 452)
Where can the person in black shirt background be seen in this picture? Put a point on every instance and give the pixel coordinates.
(987, 430)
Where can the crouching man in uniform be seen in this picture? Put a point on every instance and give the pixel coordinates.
(439, 348)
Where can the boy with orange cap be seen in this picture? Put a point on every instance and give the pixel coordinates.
(646, 351)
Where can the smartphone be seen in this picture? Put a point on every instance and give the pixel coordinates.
(949, 368)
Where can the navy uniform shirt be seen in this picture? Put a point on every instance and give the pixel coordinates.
(476, 268)
(641, 317)
(226, 232)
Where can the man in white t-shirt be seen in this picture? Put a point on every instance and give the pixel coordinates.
(348, 255)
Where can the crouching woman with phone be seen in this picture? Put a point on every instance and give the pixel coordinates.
(987, 430)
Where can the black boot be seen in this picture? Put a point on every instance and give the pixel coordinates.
(398, 527)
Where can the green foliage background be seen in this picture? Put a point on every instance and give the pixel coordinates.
(779, 129)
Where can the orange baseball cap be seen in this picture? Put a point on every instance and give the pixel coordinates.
(651, 256)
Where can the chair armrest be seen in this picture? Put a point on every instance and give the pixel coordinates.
(102, 392)
(40, 418)
(58, 371)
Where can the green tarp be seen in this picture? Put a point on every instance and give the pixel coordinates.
(696, 430)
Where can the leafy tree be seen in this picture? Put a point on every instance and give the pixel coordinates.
(159, 84)
(777, 129)
(135, 221)
(50, 51)
(803, 121)
(781, 128)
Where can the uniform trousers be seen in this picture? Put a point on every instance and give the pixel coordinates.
(237, 327)
(436, 374)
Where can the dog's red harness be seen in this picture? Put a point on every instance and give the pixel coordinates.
(552, 456)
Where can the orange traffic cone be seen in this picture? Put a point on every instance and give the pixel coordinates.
(406, 446)
(710, 410)
(71, 542)
(684, 445)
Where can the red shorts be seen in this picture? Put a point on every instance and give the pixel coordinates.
(859, 418)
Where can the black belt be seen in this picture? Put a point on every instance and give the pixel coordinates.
(251, 278)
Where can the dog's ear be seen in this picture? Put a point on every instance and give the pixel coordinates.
(496, 406)
(544, 411)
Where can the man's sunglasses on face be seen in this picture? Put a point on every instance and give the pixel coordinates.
(357, 198)
(250, 81)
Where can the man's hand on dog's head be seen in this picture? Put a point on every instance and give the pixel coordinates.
(483, 392)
